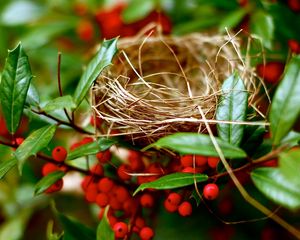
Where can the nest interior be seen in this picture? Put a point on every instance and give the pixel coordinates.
(157, 84)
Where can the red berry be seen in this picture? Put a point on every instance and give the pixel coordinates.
(104, 157)
(19, 140)
(97, 170)
(112, 220)
(185, 209)
(91, 193)
(123, 171)
(129, 206)
(85, 30)
(120, 229)
(96, 120)
(211, 191)
(121, 193)
(57, 186)
(186, 160)
(59, 154)
(140, 222)
(170, 207)
(105, 185)
(200, 160)
(102, 199)
(213, 161)
(147, 200)
(294, 5)
(174, 198)
(146, 233)
(114, 203)
(271, 71)
(49, 168)
(87, 180)
(86, 140)
(135, 161)
(189, 170)
(294, 46)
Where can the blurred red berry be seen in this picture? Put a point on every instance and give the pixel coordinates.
(80, 9)
(147, 200)
(105, 185)
(200, 160)
(213, 161)
(211, 191)
(146, 233)
(95, 120)
(104, 157)
(86, 140)
(186, 160)
(189, 170)
(19, 140)
(97, 170)
(294, 5)
(102, 199)
(185, 209)
(271, 71)
(121, 193)
(294, 45)
(140, 222)
(135, 161)
(85, 30)
(123, 171)
(49, 168)
(120, 229)
(57, 186)
(91, 193)
(59, 154)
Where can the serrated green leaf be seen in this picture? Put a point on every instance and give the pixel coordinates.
(285, 107)
(32, 98)
(74, 229)
(98, 63)
(262, 25)
(5, 166)
(289, 164)
(232, 107)
(137, 10)
(104, 231)
(47, 181)
(66, 102)
(276, 187)
(232, 19)
(194, 143)
(34, 143)
(15, 80)
(92, 148)
(174, 180)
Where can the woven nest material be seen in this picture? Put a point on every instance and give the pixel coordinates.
(158, 84)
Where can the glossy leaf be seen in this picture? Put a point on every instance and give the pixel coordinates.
(276, 187)
(194, 143)
(47, 181)
(137, 10)
(289, 164)
(291, 139)
(232, 106)
(104, 231)
(232, 19)
(262, 25)
(98, 63)
(285, 107)
(66, 102)
(253, 137)
(74, 229)
(15, 80)
(5, 166)
(91, 148)
(32, 98)
(34, 143)
(174, 180)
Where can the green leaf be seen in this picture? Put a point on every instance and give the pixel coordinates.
(34, 143)
(91, 148)
(232, 19)
(98, 63)
(289, 164)
(74, 229)
(276, 187)
(262, 25)
(32, 98)
(253, 137)
(174, 180)
(5, 166)
(104, 231)
(20, 12)
(66, 102)
(232, 107)
(14, 85)
(137, 10)
(47, 181)
(194, 143)
(285, 106)
(291, 139)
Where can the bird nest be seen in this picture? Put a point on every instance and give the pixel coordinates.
(158, 85)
